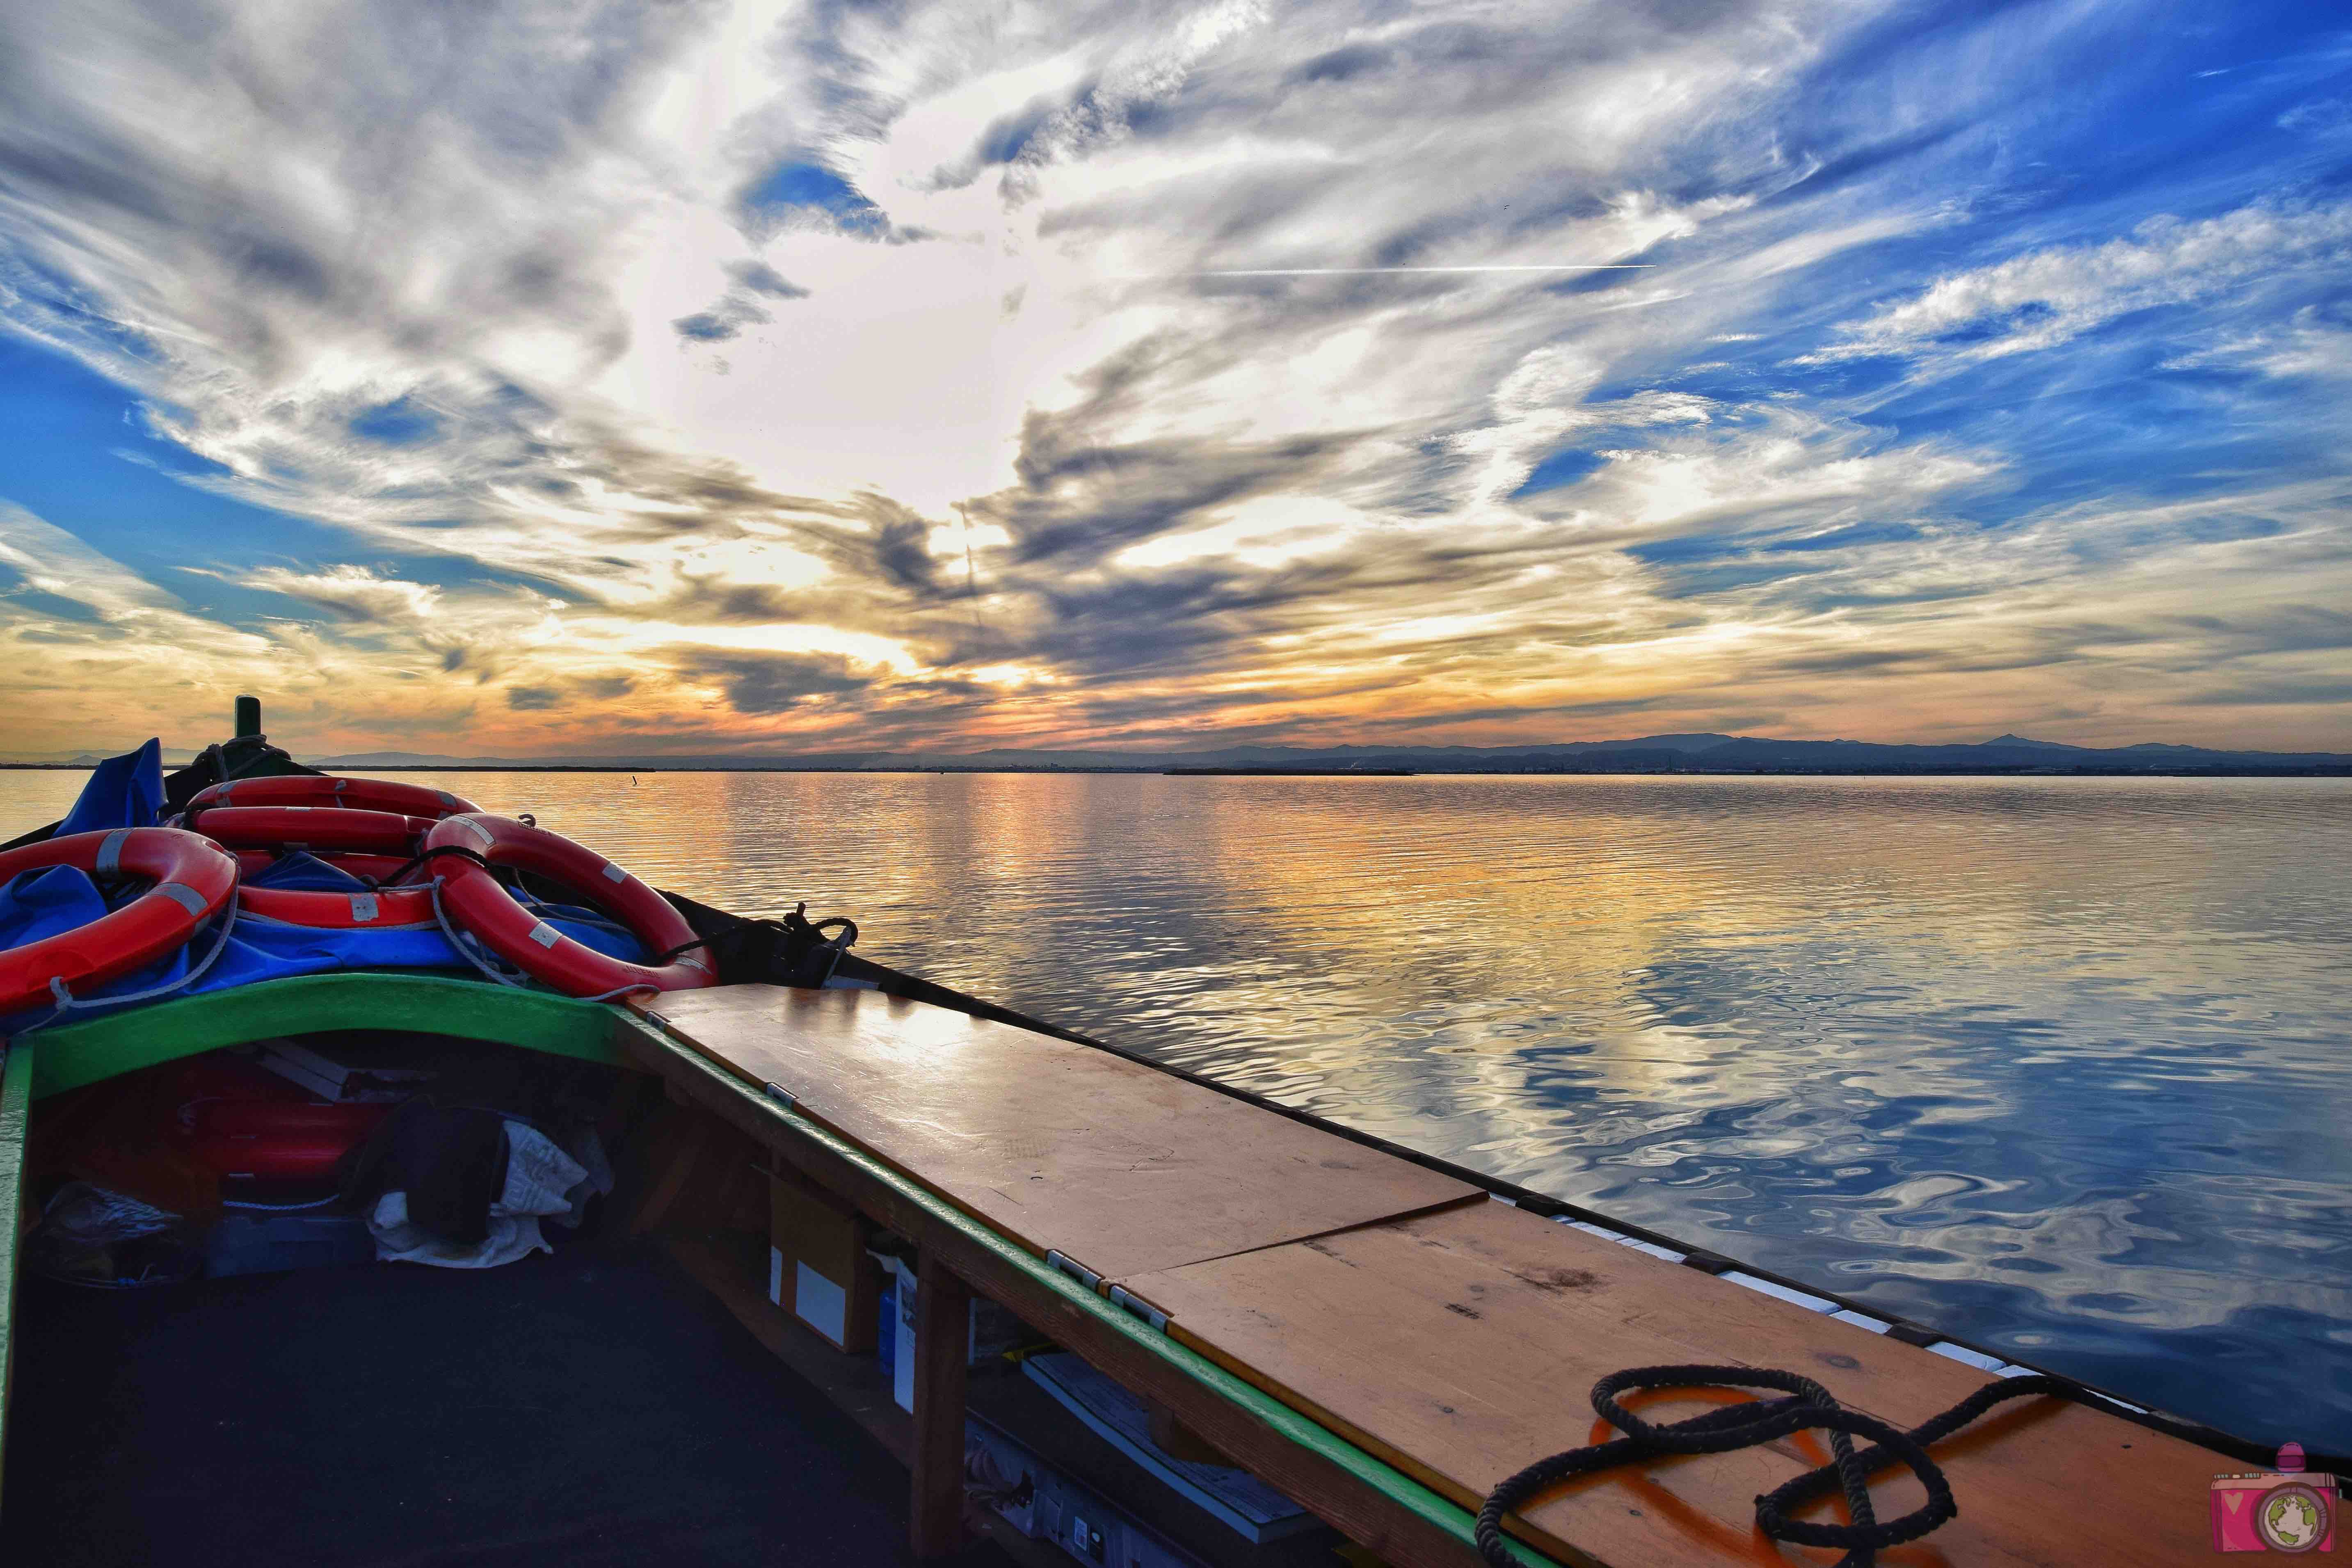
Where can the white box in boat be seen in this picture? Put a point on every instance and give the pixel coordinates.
(819, 1268)
(993, 1331)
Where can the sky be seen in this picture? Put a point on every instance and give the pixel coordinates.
(554, 379)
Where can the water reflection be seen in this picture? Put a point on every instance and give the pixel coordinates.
(2057, 1063)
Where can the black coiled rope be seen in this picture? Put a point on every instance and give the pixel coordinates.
(1808, 1408)
(844, 927)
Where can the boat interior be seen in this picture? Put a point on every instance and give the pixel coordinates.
(593, 1406)
(630, 1395)
(864, 1279)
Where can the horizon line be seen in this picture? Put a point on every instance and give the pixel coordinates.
(1143, 755)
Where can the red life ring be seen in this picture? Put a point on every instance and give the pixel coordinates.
(275, 1137)
(362, 909)
(327, 827)
(307, 789)
(193, 876)
(476, 901)
(378, 909)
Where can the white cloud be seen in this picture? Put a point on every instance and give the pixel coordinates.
(356, 592)
(2048, 297)
(2305, 345)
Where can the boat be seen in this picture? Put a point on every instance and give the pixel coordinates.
(395, 1189)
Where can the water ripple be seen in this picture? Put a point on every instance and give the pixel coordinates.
(2055, 1064)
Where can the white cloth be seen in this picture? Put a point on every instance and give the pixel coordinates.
(539, 1175)
(587, 1150)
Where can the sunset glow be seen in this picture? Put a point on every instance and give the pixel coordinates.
(552, 379)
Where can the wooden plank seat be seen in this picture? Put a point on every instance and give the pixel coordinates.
(1454, 1337)
(1063, 1148)
(1461, 1346)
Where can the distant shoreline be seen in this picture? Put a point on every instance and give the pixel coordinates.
(1995, 773)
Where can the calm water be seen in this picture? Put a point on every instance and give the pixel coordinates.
(2056, 1065)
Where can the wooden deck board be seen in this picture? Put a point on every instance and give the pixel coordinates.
(1063, 1148)
(1462, 1345)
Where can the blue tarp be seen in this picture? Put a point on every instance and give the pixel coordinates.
(122, 792)
(128, 792)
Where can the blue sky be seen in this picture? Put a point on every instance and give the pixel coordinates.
(948, 376)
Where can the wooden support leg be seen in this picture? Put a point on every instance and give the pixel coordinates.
(669, 1178)
(942, 1347)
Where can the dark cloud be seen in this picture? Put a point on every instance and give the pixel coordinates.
(760, 683)
(1848, 661)
(1080, 501)
(739, 306)
(532, 699)
(2286, 628)
(716, 326)
(2272, 693)
(703, 601)
(693, 492)
(762, 278)
(1344, 64)
(1007, 137)
(901, 544)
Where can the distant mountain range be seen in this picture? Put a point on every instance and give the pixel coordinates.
(1645, 753)
(171, 759)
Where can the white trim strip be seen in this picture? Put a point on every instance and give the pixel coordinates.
(1966, 1357)
(1653, 1249)
(1805, 1298)
(1788, 1294)
(180, 893)
(110, 853)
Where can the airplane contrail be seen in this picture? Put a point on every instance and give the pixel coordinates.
(1357, 271)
